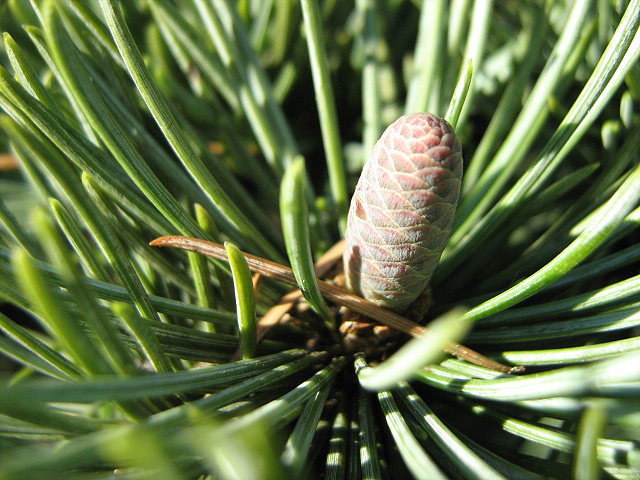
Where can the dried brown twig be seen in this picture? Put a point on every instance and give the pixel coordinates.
(336, 294)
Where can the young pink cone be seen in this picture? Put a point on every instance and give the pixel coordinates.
(402, 210)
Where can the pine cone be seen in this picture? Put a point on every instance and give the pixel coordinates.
(402, 210)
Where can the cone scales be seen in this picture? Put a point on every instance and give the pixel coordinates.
(402, 210)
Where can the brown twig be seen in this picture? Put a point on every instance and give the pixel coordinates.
(335, 294)
(8, 161)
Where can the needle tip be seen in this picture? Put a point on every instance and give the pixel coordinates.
(159, 242)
